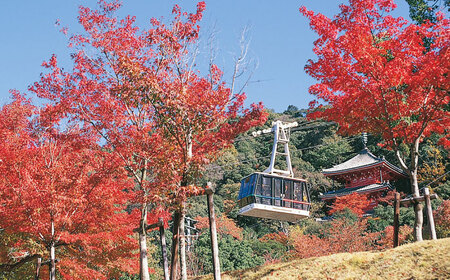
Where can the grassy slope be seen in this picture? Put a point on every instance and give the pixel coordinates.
(423, 260)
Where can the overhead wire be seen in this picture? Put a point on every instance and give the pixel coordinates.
(321, 124)
(427, 185)
(267, 156)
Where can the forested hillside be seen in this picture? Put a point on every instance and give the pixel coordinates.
(246, 242)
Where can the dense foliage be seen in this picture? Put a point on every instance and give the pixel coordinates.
(260, 241)
(62, 197)
(274, 241)
(384, 75)
(132, 131)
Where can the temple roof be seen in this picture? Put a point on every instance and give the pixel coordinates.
(363, 160)
(361, 190)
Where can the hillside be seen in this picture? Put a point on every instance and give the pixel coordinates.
(424, 260)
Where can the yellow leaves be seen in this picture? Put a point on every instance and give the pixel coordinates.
(432, 167)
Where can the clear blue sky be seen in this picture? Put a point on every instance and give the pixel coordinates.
(281, 40)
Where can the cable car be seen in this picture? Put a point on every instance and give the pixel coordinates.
(274, 193)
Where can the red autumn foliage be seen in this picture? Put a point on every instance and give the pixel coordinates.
(357, 203)
(308, 246)
(343, 235)
(381, 74)
(337, 236)
(224, 225)
(140, 91)
(442, 219)
(378, 74)
(346, 236)
(139, 88)
(60, 190)
(279, 237)
(389, 198)
(386, 238)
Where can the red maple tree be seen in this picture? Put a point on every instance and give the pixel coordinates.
(139, 89)
(64, 195)
(355, 202)
(383, 75)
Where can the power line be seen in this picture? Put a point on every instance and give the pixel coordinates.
(427, 185)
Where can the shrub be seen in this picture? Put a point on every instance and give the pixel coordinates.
(442, 217)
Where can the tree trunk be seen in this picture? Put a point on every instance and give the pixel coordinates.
(183, 243)
(38, 268)
(412, 172)
(175, 245)
(143, 260)
(418, 207)
(51, 265)
(396, 217)
(181, 230)
(162, 234)
(213, 232)
(429, 213)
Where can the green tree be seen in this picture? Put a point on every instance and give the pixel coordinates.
(383, 217)
(421, 10)
(234, 254)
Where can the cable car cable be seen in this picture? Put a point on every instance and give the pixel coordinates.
(301, 149)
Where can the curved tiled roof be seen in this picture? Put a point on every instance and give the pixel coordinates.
(360, 190)
(362, 160)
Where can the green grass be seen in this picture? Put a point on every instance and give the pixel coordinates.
(421, 260)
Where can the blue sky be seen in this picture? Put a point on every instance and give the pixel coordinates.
(280, 40)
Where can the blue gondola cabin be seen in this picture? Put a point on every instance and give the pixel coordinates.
(274, 196)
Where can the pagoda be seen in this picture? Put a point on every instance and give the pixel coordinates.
(364, 174)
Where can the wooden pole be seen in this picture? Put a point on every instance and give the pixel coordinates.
(430, 213)
(411, 200)
(213, 232)
(38, 268)
(175, 245)
(396, 217)
(164, 249)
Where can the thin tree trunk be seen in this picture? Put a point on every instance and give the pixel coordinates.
(418, 211)
(213, 232)
(51, 265)
(183, 243)
(396, 217)
(184, 183)
(38, 268)
(175, 245)
(164, 249)
(418, 207)
(143, 259)
(430, 214)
